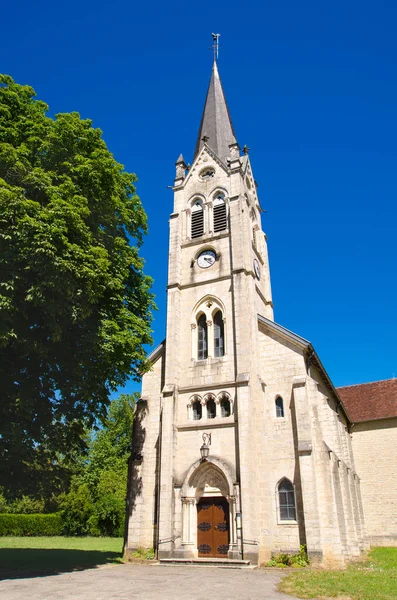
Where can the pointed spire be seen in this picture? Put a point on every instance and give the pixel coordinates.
(216, 123)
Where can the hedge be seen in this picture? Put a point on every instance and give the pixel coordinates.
(35, 524)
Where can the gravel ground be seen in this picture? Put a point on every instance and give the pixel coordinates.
(155, 582)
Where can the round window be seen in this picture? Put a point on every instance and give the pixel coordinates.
(207, 173)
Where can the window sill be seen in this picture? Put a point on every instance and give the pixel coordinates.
(205, 238)
(202, 362)
(216, 423)
(287, 522)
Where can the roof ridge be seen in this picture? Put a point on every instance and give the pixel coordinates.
(366, 383)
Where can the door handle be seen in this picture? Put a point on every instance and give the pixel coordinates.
(215, 527)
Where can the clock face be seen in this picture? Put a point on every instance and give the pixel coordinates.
(257, 269)
(206, 259)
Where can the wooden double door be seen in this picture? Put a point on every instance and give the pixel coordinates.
(213, 527)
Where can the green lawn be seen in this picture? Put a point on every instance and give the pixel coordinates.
(373, 579)
(30, 556)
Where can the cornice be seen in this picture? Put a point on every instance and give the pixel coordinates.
(197, 283)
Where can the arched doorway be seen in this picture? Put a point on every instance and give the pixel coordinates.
(208, 510)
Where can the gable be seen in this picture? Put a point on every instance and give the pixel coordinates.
(303, 346)
(201, 160)
(156, 353)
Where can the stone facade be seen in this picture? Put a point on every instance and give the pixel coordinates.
(374, 445)
(272, 414)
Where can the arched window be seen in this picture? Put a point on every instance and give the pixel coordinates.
(202, 349)
(197, 224)
(220, 221)
(225, 407)
(211, 409)
(286, 498)
(219, 334)
(279, 407)
(254, 236)
(197, 410)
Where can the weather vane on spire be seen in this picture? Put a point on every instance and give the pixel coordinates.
(215, 46)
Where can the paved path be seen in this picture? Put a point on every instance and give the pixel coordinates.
(130, 582)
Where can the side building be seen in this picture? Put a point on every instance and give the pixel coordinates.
(241, 443)
(373, 410)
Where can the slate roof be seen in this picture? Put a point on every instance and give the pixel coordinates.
(370, 401)
(216, 122)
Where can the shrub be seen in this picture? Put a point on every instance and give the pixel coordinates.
(143, 554)
(26, 506)
(109, 507)
(21, 525)
(3, 502)
(283, 559)
(300, 559)
(77, 509)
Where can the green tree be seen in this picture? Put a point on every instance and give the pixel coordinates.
(110, 447)
(106, 471)
(75, 304)
(96, 501)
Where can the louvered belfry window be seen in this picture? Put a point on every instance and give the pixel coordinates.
(220, 222)
(197, 220)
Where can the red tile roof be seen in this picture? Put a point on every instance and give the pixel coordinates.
(369, 401)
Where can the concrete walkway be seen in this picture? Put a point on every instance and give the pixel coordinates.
(127, 582)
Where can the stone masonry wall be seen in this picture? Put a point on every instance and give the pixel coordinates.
(142, 524)
(374, 446)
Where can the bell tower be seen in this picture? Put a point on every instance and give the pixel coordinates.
(217, 246)
(218, 282)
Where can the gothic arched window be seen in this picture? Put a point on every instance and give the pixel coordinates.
(211, 408)
(286, 500)
(225, 407)
(202, 338)
(197, 223)
(197, 410)
(279, 407)
(219, 334)
(220, 220)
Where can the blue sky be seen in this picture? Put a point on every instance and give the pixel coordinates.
(312, 90)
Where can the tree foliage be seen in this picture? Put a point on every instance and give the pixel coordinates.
(95, 500)
(95, 504)
(75, 304)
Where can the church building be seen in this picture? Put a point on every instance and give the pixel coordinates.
(241, 444)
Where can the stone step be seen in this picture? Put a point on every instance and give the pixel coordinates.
(206, 562)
